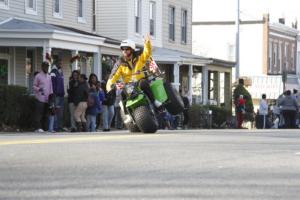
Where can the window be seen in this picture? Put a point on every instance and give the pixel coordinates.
(286, 46)
(4, 79)
(280, 57)
(4, 4)
(81, 13)
(270, 56)
(57, 8)
(152, 18)
(30, 68)
(172, 23)
(184, 26)
(30, 7)
(293, 68)
(137, 15)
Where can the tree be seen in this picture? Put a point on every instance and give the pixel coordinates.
(241, 90)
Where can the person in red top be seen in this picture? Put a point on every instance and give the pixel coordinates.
(240, 110)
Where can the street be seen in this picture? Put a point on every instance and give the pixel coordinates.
(189, 164)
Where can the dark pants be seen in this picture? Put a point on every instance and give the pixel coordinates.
(40, 115)
(185, 117)
(240, 119)
(58, 123)
(289, 118)
(118, 120)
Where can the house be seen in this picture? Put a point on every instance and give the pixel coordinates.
(169, 23)
(267, 52)
(31, 29)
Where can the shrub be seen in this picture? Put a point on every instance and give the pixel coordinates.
(199, 116)
(16, 107)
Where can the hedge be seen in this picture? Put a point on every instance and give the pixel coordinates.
(199, 116)
(16, 108)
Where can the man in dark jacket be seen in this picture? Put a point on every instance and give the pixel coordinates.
(57, 78)
(289, 107)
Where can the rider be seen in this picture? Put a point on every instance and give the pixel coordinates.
(130, 66)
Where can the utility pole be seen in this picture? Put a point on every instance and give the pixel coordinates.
(237, 44)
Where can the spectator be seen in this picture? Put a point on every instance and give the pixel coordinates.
(93, 109)
(289, 107)
(101, 97)
(73, 84)
(108, 106)
(80, 101)
(42, 87)
(118, 119)
(52, 113)
(240, 110)
(186, 103)
(263, 112)
(93, 79)
(57, 77)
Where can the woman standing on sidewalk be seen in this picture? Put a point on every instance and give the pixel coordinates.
(80, 101)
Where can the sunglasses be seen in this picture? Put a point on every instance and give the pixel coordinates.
(125, 48)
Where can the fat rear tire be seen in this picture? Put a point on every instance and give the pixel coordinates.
(175, 104)
(145, 119)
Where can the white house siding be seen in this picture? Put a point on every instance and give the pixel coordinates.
(70, 14)
(179, 5)
(112, 18)
(20, 66)
(110, 51)
(145, 22)
(17, 9)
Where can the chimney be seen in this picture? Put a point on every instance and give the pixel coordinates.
(282, 20)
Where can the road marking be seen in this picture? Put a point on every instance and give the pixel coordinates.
(297, 153)
(66, 140)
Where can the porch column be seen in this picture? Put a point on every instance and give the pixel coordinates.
(190, 83)
(227, 91)
(216, 81)
(47, 49)
(205, 85)
(176, 82)
(75, 63)
(97, 67)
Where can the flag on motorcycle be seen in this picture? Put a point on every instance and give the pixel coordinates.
(153, 66)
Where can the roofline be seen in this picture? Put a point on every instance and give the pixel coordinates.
(220, 62)
(228, 22)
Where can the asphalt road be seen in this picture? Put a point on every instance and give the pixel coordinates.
(199, 164)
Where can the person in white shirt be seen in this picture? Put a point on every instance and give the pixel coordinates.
(263, 110)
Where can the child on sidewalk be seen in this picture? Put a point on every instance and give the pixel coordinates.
(52, 112)
(94, 108)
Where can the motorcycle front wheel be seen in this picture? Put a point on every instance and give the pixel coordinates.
(145, 119)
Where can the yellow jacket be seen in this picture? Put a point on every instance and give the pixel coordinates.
(125, 69)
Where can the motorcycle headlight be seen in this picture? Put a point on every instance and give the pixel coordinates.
(129, 88)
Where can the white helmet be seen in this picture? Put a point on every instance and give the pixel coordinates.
(128, 43)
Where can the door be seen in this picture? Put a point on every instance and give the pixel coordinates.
(4, 64)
